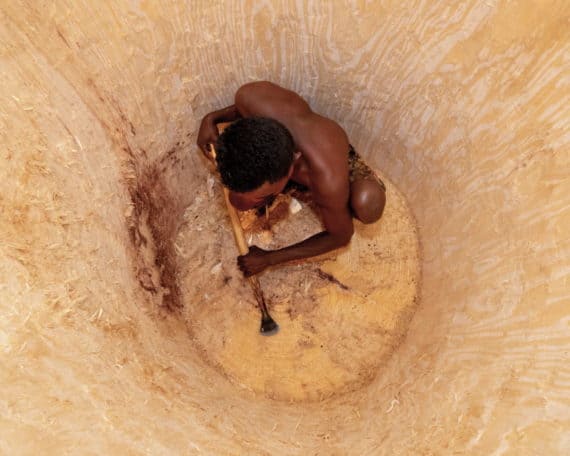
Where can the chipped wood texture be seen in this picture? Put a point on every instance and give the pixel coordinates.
(464, 105)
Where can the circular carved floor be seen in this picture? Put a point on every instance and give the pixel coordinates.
(340, 315)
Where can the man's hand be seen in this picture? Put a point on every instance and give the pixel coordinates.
(208, 134)
(254, 262)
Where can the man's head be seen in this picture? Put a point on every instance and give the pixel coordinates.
(255, 159)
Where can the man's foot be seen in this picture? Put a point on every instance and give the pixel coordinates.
(367, 200)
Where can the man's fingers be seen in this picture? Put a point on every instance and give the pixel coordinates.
(211, 152)
(207, 150)
(246, 272)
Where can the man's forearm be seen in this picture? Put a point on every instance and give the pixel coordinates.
(315, 245)
(228, 114)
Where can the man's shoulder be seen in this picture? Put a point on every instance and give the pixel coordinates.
(261, 89)
(323, 141)
(327, 163)
(260, 84)
(267, 99)
(256, 86)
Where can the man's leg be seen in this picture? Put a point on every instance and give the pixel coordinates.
(367, 200)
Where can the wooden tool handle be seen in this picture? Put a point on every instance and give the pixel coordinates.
(268, 325)
(243, 248)
(236, 225)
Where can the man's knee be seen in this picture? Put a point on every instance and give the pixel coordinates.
(367, 200)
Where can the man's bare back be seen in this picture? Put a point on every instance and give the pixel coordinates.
(320, 163)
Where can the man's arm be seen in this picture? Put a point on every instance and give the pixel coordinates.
(208, 133)
(338, 232)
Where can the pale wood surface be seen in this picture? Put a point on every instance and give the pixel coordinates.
(463, 104)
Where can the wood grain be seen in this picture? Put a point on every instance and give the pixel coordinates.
(464, 105)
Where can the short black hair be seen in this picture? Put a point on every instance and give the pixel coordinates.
(252, 151)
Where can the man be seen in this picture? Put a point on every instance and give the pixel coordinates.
(277, 138)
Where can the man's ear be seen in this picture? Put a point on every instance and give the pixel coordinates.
(296, 156)
(291, 168)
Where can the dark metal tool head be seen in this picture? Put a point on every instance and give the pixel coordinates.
(268, 326)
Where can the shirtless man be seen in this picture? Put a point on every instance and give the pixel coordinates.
(277, 138)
